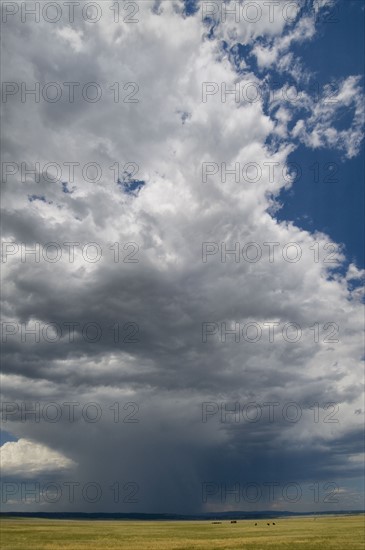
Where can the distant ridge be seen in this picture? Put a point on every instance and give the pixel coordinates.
(267, 514)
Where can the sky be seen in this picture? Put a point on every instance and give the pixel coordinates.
(182, 256)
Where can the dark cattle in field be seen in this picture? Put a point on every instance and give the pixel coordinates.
(274, 524)
(268, 524)
(216, 522)
(233, 521)
(255, 524)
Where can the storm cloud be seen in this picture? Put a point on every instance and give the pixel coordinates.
(147, 291)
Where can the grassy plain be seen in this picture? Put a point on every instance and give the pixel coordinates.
(304, 533)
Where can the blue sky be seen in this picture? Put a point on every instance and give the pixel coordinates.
(6, 436)
(337, 208)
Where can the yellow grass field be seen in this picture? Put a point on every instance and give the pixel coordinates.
(304, 533)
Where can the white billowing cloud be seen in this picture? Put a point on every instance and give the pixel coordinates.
(269, 55)
(26, 458)
(245, 22)
(73, 37)
(319, 129)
